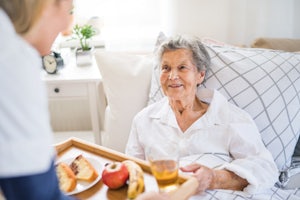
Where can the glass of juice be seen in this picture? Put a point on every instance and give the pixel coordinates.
(163, 161)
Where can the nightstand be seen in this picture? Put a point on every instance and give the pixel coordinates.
(76, 82)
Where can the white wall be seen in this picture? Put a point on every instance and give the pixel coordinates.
(233, 21)
(134, 23)
(297, 18)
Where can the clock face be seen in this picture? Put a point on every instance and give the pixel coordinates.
(50, 64)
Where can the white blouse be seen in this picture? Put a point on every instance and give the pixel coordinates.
(25, 134)
(225, 137)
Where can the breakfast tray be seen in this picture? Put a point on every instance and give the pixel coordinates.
(73, 147)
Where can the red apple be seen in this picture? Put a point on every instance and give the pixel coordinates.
(115, 175)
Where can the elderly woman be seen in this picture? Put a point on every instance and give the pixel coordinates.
(218, 142)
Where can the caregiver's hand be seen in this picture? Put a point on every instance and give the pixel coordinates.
(153, 195)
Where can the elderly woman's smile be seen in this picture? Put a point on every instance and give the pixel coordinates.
(175, 85)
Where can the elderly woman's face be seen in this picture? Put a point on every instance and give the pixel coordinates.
(179, 76)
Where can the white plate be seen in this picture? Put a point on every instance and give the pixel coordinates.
(84, 185)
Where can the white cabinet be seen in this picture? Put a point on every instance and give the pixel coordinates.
(76, 83)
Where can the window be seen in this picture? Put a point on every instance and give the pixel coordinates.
(127, 24)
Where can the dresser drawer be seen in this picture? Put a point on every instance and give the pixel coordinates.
(67, 90)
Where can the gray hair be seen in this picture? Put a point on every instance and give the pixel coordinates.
(201, 57)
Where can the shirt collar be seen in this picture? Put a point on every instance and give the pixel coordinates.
(217, 113)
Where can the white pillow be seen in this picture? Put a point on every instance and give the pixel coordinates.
(266, 84)
(126, 81)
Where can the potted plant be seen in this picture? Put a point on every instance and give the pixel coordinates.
(83, 34)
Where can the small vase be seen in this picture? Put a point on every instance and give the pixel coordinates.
(84, 57)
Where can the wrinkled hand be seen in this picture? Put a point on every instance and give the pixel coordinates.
(204, 175)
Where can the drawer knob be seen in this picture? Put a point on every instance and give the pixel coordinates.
(56, 90)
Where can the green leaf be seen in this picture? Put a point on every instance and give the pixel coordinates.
(83, 34)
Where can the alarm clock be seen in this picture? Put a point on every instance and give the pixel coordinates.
(52, 62)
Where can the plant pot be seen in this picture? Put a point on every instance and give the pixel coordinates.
(84, 57)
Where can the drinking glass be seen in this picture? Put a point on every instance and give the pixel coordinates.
(164, 165)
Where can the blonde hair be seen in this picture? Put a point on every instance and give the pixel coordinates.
(23, 13)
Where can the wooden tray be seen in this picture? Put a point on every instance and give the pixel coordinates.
(74, 146)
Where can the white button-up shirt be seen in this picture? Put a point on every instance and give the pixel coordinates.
(225, 137)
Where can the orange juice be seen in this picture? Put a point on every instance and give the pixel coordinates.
(165, 173)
